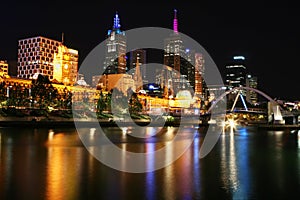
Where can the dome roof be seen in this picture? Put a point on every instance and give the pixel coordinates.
(184, 94)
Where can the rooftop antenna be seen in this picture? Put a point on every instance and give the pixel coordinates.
(62, 37)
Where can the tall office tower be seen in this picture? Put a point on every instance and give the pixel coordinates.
(3, 68)
(188, 68)
(251, 96)
(115, 55)
(236, 72)
(140, 56)
(174, 54)
(40, 55)
(199, 73)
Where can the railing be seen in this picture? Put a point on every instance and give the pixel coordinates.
(261, 110)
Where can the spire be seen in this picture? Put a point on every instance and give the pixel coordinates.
(116, 21)
(175, 23)
(137, 76)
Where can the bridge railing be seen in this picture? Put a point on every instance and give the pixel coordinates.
(251, 109)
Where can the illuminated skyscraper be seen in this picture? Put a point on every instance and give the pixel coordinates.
(188, 69)
(174, 54)
(236, 72)
(40, 55)
(199, 73)
(115, 58)
(251, 96)
(235, 75)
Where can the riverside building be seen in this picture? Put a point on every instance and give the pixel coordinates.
(41, 55)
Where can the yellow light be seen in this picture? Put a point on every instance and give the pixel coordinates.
(232, 123)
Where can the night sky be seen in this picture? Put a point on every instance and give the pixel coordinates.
(266, 34)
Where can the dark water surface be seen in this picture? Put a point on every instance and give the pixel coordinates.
(54, 164)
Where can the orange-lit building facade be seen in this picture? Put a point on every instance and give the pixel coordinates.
(199, 72)
(41, 55)
(24, 85)
(122, 82)
(3, 68)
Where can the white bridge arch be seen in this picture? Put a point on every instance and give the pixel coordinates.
(239, 89)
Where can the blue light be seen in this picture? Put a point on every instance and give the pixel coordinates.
(108, 32)
(187, 50)
(238, 57)
(151, 87)
(117, 22)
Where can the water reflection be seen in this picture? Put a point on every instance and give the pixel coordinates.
(6, 155)
(228, 162)
(242, 157)
(234, 163)
(112, 145)
(50, 134)
(53, 164)
(150, 177)
(63, 167)
(196, 165)
(298, 141)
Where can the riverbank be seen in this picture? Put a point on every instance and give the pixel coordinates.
(70, 122)
(37, 122)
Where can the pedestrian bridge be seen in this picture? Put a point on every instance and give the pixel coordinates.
(275, 112)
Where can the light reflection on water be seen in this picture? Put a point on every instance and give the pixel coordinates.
(298, 141)
(53, 164)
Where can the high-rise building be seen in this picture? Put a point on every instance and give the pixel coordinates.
(174, 56)
(236, 72)
(199, 73)
(115, 55)
(188, 69)
(251, 96)
(41, 55)
(3, 68)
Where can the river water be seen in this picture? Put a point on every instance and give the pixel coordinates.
(54, 164)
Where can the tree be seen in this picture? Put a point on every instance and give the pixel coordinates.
(101, 104)
(108, 101)
(2, 91)
(135, 106)
(43, 92)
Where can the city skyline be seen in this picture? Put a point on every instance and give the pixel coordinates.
(265, 36)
